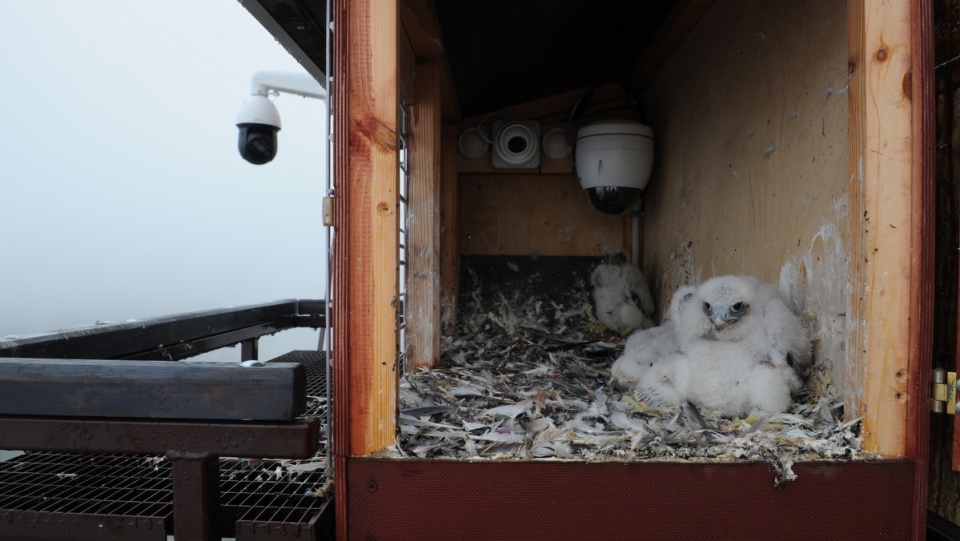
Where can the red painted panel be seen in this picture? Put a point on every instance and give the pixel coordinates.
(423, 499)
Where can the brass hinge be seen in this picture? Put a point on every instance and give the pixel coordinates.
(943, 394)
(327, 211)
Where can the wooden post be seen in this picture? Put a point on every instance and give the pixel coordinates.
(196, 495)
(366, 177)
(887, 246)
(365, 252)
(923, 98)
(422, 29)
(423, 222)
(340, 310)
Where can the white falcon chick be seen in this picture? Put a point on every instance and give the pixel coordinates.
(648, 347)
(621, 296)
(744, 310)
(737, 339)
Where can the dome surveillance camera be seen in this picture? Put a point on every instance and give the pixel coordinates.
(258, 122)
(258, 119)
(614, 159)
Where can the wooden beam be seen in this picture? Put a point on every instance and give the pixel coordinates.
(365, 217)
(340, 285)
(419, 18)
(449, 228)
(855, 366)
(609, 100)
(922, 81)
(152, 389)
(884, 248)
(296, 439)
(423, 222)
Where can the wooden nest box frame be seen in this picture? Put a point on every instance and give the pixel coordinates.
(794, 141)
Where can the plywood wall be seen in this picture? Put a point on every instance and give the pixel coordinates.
(750, 116)
(533, 214)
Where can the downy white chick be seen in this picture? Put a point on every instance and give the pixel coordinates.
(648, 347)
(724, 377)
(621, 296)
(739, 336)
(784, 329)
(742, 309)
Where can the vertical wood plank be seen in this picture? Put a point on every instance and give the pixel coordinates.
(883, 181)
(423, 222)
(366, 247)
(340, 304)
(374, 171)
(855, 366)
(922, 90)
(449, 228)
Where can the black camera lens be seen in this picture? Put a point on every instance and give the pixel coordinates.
(613, 199)
(258, 143)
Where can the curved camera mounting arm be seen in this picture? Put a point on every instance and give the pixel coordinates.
(262, 82)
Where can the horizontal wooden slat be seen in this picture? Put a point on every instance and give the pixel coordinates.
(151, 389)
(297, 439)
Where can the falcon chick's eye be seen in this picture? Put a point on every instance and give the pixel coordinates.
(706, 307)
(738, 307)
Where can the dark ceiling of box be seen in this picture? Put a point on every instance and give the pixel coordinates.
(507, 52)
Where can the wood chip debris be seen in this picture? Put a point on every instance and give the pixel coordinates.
(512, 388)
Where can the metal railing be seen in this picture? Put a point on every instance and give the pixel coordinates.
(172, 337)
(192, 447)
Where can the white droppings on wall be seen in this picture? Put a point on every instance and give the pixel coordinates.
(816, 281)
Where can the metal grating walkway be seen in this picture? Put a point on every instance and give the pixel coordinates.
(46, 495)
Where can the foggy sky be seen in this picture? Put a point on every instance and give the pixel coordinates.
(122, 194)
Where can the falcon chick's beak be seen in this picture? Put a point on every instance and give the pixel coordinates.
(722, 316)
(721, 323)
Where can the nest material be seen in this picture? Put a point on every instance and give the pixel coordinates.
(528, 380)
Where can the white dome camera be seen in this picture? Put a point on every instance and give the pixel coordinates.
(614, 159)
(259, 122)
